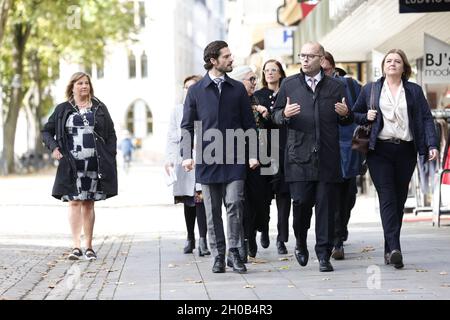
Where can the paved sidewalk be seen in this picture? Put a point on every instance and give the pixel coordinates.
(139, 237)
(151, 266)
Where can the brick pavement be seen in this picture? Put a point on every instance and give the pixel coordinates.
(151, 266)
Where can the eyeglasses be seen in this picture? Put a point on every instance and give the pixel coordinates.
(252, 79)
(303, 56)
(270, 70)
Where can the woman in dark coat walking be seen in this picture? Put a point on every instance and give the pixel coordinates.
(402, 127)
(80, 134)
(272, 76)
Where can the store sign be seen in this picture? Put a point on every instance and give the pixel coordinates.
(377, 58)
(412, 6)
(279, 41)
(436, 66)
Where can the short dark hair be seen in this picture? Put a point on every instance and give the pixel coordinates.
(280, 67)
(329, 57)
(406, 66)
(212, 51)
(194, 77)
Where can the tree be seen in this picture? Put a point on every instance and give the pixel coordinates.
(43, 31)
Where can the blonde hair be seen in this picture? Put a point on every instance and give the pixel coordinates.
(74, 78)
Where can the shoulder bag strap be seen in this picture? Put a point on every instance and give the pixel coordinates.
(372, 97)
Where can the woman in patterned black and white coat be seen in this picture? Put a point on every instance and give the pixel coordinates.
(80, 133)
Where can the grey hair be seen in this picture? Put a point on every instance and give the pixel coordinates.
(240, 72)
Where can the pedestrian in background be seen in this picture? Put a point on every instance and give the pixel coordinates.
(127, 147)
(351, 161)
(80, 134)
(185, 190)
(312, 105)
(402, 126)
(257, 187)
(220, 103)
(272, 76)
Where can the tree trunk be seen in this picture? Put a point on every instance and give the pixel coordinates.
(36, 102)
(21, 34)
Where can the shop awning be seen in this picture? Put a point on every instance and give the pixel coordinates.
(375, 24)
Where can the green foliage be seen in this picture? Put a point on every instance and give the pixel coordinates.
(76, 30)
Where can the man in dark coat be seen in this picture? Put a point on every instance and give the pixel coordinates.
(217, 104)
(351, 161)
(309, 103)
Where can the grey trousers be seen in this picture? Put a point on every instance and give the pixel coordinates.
(232, 195)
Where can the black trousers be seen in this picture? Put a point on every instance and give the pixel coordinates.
(391, 167)
(257, 203)
(283, 201)
(190, 213)
(345, 202)
(305, 196)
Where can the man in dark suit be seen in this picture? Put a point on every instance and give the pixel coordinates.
(218, 103)
(312, 105)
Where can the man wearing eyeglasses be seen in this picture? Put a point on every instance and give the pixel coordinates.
(312, 105)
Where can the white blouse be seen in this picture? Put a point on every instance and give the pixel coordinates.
(395, 114)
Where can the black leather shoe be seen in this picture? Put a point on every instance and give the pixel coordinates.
(219, 264)
(281, 247)
(189, 246)
(203, 248)
(265, 241)
(252, 247)
(234, 261)
(325, 266)
(396, 259)
(302, 256)
(338, 253)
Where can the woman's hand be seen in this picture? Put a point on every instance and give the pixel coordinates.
(56, 154)
(262, 110)
(371, 115)
(433, 154)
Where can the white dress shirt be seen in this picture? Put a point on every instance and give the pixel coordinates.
(317, 78)
(395, 114)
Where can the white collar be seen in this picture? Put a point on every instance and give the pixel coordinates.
(318, 77)
(212, 77)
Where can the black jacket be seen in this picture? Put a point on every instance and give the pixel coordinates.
(419, 115)
(312, 152)
(54, 135)
(228, 110)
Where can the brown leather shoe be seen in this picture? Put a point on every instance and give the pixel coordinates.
(338, 253)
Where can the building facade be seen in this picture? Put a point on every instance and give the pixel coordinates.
(142, 81)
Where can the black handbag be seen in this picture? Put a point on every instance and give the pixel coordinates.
(361, 135)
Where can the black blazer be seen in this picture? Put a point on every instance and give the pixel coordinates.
(228, 110)
(54, 135)
(312, 152)
(420, 119)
